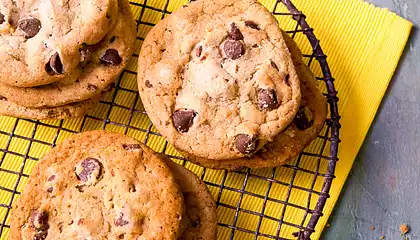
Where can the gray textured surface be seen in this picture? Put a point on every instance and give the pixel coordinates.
(383, 189)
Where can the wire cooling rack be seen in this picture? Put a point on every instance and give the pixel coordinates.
(281, 203)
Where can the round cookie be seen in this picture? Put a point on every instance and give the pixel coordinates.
(99, 185)
(201, 214)
(101, 65)
(40, 40)
(78, 109)
(217, 79)
(306, 126)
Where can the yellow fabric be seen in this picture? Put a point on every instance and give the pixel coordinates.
(363, 44)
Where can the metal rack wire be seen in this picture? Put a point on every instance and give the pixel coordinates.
(259, 188)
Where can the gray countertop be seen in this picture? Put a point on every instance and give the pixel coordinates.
(383, 189)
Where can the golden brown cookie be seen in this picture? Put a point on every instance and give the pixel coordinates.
(100, 65)
(305, 127)
(200, 221)
(40, 40)
(99, 185)
(217, 80)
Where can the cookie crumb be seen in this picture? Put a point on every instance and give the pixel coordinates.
(372, 228)
(404, 229)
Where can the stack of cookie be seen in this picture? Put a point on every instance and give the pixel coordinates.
(103, 185)
(227, 87)
(58, 57)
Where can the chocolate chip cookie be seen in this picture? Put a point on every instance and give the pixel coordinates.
(200, 220)
(306, 125)
(217, 79)
(40, 40)
(78, 109)
(100, 66)
(99, 185)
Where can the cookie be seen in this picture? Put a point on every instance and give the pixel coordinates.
(40, 40)
(201, 216)
(217, 79)
(78, 109)
(305, 127)
(99, 185)
(101, 65)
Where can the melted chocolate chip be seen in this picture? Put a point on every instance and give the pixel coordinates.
(245, 143)
(54, 66)
(30, 26)
(89, 165)
(274, 65)
(198, 51)
(50, 189)
(234, 32)
(1, 18)
(92, 87)
(302, 121)
(3, 98)
(111, 57)
(183, 119)
(251, 24)
(148, 84)
(233, 49)
(51, 178)
(112, 39)
(267, 99)
(39, 220)
(131, 147)
(120, 221)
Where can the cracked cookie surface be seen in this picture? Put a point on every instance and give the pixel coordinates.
(304, 128)
(100, 66)
(40, 40)
(99, 185)
(217, 79)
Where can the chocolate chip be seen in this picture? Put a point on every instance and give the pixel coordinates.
(267, 99)
(245, 143)
(41, 235)
(286, 79)
(89, 165)
(233, 49)
(130, 147)
(148, 84)
(92, 87)
(274, 65)
(39, 220)
(234, 32)
(184, 6)
(3, 98)
(111, 57)
(198, 51)
(120, 221)
(112, 39)
(50, 189)
(183, 119)
(1, 18)
(30, 26)
(54, 66)
(51, 178)
(302, 120)
(251, 24)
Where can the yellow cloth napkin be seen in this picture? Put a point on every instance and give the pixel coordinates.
(363, 44)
